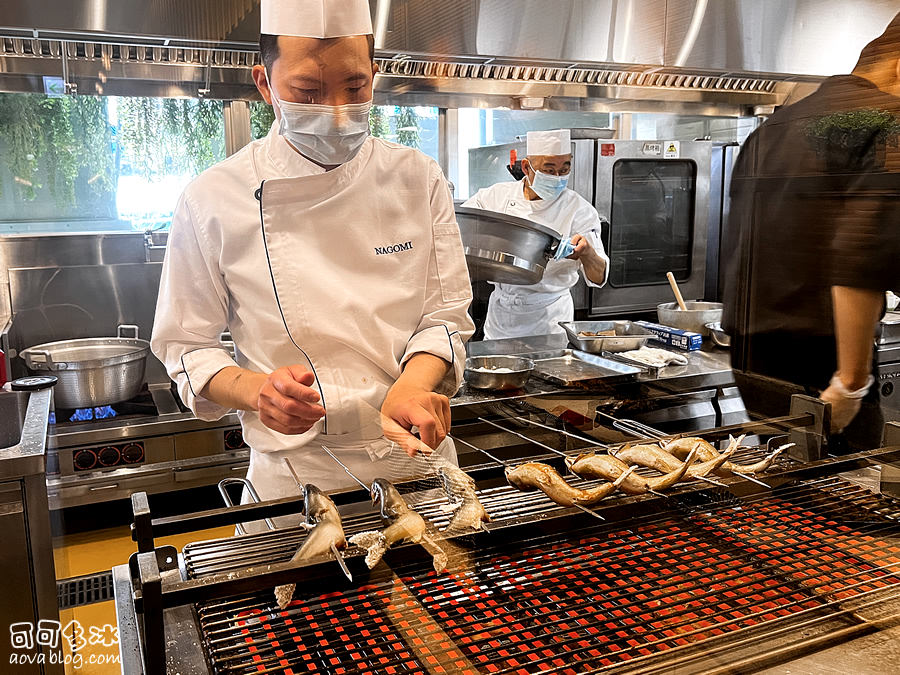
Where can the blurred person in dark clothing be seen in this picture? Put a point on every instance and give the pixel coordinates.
(814, 233)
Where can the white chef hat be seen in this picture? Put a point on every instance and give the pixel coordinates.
(315, 18)
(554, 142)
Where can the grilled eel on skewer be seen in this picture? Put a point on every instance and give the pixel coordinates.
(322, 515)
(680, 446)
(403, 524)
(543, 477)
(654, 457)
(590, 465)
(469, 514)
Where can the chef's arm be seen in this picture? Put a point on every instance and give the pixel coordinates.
(445, 324)
(432, 363)
(191, 313)
(284, 399)
(412, 402)
(594, 267)
(589, 248)
(423, 371)
(856, 314)
(236, 388)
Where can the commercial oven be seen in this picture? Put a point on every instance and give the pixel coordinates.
(660, 199)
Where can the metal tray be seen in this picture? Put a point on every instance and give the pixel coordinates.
(568, 367)
(653, 371)
(628, 336)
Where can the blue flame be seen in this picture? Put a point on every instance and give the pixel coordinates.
(85, 414)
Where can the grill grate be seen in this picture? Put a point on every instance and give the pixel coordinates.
(86, 590)
(654, 590)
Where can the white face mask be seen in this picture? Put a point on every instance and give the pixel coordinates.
(327, 134)
(548, 187)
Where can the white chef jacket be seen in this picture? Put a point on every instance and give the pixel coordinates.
(348, 272)
(519, 311)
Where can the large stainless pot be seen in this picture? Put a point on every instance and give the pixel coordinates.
(503, 248)
(92, 371)
(694, 318)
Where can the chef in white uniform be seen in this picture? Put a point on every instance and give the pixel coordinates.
(542, 196)
(335, 261)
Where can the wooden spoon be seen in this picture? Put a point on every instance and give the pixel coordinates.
(676, 291)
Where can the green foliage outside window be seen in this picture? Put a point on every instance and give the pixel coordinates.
(171, 136)
(70, 136)
(261, 117)
(407, 126)
(379, 124)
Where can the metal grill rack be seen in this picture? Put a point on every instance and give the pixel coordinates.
(693, 587)
(693, 579)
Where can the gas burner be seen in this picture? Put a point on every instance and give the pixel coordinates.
(84, 414)
(141, 405)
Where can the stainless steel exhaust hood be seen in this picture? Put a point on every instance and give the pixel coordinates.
(700, 56)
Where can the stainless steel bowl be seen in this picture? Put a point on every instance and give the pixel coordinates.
(92, 372)
(628, 335)
(481, 372)
(694, 318)
(504, 249)
(719, 336)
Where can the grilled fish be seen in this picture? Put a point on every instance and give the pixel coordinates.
(654, 457)
(680, 446)
(589, 465)
(460, 489)
(322, 515)
(543, 477)
(403, 524)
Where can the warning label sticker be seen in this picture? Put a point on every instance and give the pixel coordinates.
(673, 149)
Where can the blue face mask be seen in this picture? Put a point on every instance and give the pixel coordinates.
(548, 187)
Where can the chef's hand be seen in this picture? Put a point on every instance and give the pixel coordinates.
(843, 409)
(594, 264)
(286, 402)
(408, 406)
(582, 248)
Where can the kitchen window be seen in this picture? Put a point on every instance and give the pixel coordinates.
(88, 163)
(415, 126)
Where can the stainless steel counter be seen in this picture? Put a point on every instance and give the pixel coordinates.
(709, 367)
(26, 560)
(26, 455)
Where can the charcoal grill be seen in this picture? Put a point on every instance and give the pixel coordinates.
(704, 580)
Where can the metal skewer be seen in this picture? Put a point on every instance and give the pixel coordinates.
(345, 468)
(747, 476)
(307, 526)
(506, 464)
(523, 437)
(711, 481)
(643, 431)
(483, 452)
(547, 447)
(290, 468)
(584, 439)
